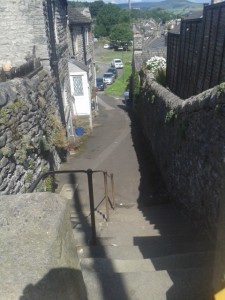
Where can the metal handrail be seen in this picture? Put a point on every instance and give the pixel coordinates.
(89, 173)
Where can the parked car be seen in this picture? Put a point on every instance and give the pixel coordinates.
(108, 78)
(100, 85)
(114, 71)
(117, 63)
(106, 46)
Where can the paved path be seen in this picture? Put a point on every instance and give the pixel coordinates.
(116, 145)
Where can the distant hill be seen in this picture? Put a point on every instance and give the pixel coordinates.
(179, 5)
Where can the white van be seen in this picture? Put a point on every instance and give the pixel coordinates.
(117, 63)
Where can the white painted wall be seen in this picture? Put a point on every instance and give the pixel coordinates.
(82, 104)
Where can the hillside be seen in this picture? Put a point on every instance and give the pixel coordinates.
(179, 5)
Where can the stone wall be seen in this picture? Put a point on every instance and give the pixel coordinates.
(30, 131)
(38, 254)
(22, 27)
(39, 29)
(187, 139)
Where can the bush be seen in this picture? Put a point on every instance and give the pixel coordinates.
(157, 66)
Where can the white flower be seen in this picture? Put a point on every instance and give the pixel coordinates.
(155, 63)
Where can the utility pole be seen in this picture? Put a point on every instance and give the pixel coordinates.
(129, 4)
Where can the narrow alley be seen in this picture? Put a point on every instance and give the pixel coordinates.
(147, 250)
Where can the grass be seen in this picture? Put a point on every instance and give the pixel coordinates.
(108, 55)
(119, 86)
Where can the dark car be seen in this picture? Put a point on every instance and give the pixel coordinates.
(100, 84)
(114, 71)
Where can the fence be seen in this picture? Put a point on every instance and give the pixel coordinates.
(196, 56)
(89, 172)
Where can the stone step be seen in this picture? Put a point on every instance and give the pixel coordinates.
(142, 238)
(185, 284)
(172, 262)
(135, 229)
(154, 211)
(144, 229)
(105, 265)
(131, 221)
(146, 248)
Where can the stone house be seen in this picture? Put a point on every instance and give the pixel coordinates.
(35, 98)
(81, 65)
(32, 28)
(81, 41)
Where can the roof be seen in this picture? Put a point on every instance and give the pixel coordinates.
(84, 11)
(77, 66)
(76, 17)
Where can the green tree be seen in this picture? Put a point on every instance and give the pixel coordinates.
(108, 16)
(95, 7)
(121, 35)
(124, 16)
(100, 30)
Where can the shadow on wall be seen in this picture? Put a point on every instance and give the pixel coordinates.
(57, 284)
(152, 189)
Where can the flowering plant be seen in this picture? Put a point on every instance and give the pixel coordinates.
(156, 63)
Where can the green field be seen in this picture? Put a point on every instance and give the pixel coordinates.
(106, 56)
(119, 86)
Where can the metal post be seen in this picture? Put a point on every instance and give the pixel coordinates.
(113, 191)
(92, 208)
(106, 196)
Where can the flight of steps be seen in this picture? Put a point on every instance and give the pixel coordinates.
(144, 254)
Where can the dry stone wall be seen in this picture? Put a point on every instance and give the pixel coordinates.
(187, 139)
(28, 119)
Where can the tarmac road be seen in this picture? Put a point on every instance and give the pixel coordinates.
(116, 145)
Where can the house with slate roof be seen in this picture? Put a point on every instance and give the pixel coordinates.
(81, 67)
(81, 38)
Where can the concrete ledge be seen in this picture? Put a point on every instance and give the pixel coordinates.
(38, 257)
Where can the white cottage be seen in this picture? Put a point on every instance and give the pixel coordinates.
(80, 89)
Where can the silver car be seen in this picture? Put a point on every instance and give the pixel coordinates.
(108, 78)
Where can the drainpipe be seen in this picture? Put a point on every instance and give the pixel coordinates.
(72, 40)
(84, 44)
(54, 62)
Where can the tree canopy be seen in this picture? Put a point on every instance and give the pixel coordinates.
(107, 15)
(121, 35)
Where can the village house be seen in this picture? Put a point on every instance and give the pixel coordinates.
(81, 66)
(36, 108)
(38, 29)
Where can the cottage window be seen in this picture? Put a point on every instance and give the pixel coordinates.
(78, 85)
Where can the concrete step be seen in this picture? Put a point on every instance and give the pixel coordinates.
(131, 222)
(144, 238)
(157, 212)
(172, 262)
(146, 248)
(145, 229)
(130, 229)
(105, 265)
(185, 284)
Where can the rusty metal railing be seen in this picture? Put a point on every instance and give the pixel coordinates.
(89, 173)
